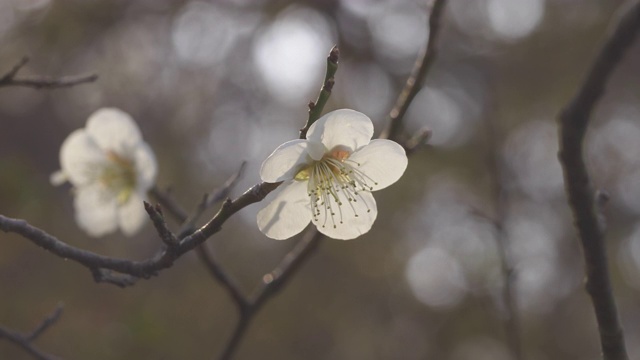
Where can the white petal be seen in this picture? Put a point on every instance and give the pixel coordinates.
(288, 213)
(131, 215)
(58, 178)
(352, 226)
(346, 128)
(316, 149)
(80, 158)
(114, 130)
(146, 167)
(382, 161)
(285, 161)
(95, 210)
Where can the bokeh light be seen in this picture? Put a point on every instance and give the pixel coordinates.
(290, 53)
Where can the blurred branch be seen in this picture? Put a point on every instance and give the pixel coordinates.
(418, 74)
(417, 141)
(169, 203)
(315, 108)
(270, 285)
(573, 125)
(40, 82)
(25, 340)
(494, 164)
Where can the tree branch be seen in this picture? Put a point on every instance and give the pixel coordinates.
(270, 285)
(499, 193)
(418, 74)
(573, 125)
(10, 79)
(315, 108)
(25, 341)
(141, 269)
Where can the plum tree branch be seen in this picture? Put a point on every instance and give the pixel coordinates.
(271, 283)
(163, 259)
(41, 82)
(573, 122)
(418, 74)
(316, 108)
(499, 192)
(188, 226)
(25, 341)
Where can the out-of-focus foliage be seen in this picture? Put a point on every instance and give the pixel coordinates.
(214, 83)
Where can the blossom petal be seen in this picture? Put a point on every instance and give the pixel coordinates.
(382, 161)
(316, 150)
(58, 178)
(344, 224)
(288, 213)
(146, 167)
(285, 161)
(131, 215)
(114, 130)
(80, 158)
(96, 210)
(345, 128)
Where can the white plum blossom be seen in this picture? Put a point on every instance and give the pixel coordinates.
(328, 178)
(111, 169)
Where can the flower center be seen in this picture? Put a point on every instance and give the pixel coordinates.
(119, 176)
(333, 181)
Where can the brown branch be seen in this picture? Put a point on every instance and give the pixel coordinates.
(218, 273)
(573, 125)
(271, 282)
(25, 341)
(499, 193)
(417, 141)
(169, 204)
(270, 285)
(316, 108)
(418, 74)
(144, 268)
(157, 218)
(40, 82)
(208, 200)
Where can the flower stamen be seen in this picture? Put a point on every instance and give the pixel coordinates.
(119, 176)
(331, 179)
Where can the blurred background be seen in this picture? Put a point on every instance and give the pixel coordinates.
(213, 83)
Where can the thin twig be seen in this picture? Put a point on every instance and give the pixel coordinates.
(40, 82)
(46, 323)
(25, 341)
(316, 108)
(573, 125)
(270, 285)
(509, 297)
(208, 200)
(218, 273)
(169, 204)
(417, 141)
(418, 74)
(157, 218)
(188, 226)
